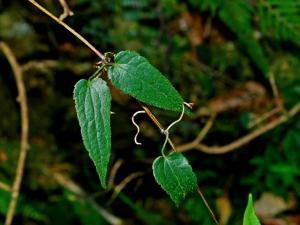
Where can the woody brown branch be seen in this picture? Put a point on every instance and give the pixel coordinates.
(17, 71)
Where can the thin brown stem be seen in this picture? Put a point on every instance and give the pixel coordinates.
(199, 137)
(157, 123)
(123, 184)
(75, 33)
(17, 71)
(113, 173)
(67, 11)
(207, 206)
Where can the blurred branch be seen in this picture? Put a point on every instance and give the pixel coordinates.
(273, 86)
(5, 187)
(123, 184)
(278, 99)
(264, 117)
(245, 139)
(200, 136)
(67, 12)
(66, 26)
(71, 186)
(17, 71)
(212, 73)
(113, 173)
(39, 64)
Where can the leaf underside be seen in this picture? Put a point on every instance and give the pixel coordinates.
(175, 176)
(134, 75)
(249, 216)
(92, 102)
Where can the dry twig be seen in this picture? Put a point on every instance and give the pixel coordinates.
(274, 86)
(113, 173)
(39, 65)
(5, 187)
(123, 184)
(17, 71)
(245, 139)
(67, 12)
(277, 98)
(264, 117)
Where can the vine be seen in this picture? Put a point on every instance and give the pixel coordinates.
(129, 72)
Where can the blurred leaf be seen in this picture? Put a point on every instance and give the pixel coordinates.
(224, 208)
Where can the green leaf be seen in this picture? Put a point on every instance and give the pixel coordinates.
(249, 216)
(175, 176)
(134, 75)
(92, 102)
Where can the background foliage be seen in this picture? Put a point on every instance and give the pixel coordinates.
(211, 51)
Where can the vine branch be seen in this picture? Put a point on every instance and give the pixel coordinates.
(199, 137)
(17, 71)
(157, 123)
(75, 33)
(207, 206)
(89, 45)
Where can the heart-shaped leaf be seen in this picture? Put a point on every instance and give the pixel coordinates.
(249, 216)
(92, 102)
(134, 75)
(175, 176)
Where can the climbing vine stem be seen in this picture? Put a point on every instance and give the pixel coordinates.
(75, 33)
(103, 60)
